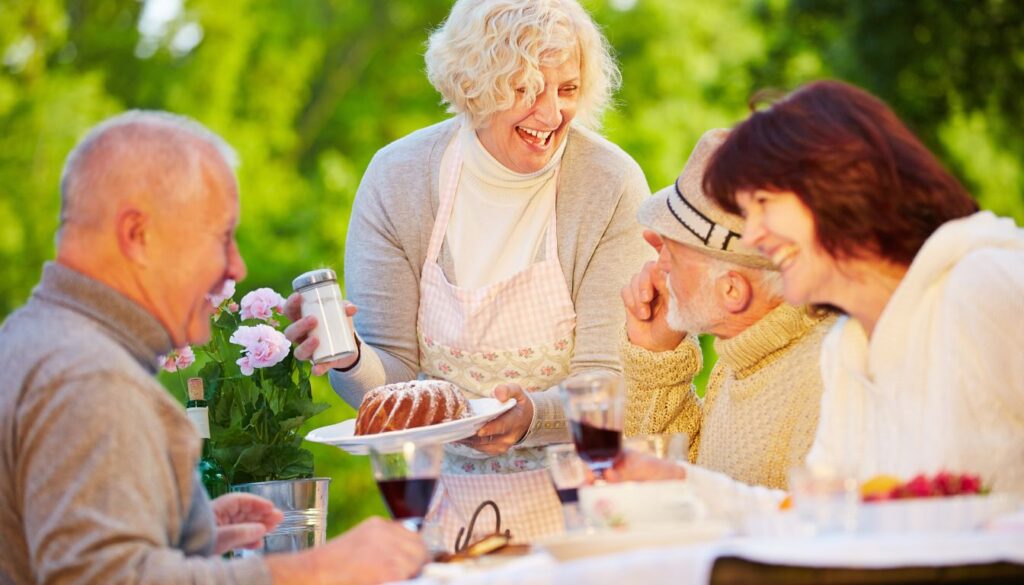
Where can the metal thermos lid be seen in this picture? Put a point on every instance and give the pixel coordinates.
(312, 277)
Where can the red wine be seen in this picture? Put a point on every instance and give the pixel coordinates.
(407, 498)
(598, 447)
(568, 495)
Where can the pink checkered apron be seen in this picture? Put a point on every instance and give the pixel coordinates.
(520, 330)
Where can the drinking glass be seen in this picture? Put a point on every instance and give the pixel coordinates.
(669, 446)
(825, 498)
(406, 478)
(594, 403)
(568, 473)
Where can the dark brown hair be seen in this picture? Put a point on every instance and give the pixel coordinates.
(869, 182)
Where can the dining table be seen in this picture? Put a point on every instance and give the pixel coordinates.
(990, 555)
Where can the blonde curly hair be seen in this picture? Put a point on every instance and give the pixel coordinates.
(486, 49)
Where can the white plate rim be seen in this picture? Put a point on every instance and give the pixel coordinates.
(359, 445)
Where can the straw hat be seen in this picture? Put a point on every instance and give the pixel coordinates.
(682, 212)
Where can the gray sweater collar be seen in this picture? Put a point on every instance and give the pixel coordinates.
(133, 327)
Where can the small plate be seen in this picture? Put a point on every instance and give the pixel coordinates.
(342, 435)
(565, 547)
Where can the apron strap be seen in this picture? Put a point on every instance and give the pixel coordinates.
(449, 183)
(551, 246)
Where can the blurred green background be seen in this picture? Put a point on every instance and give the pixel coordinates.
(308, 90)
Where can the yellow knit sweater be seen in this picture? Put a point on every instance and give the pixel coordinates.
(760, 413)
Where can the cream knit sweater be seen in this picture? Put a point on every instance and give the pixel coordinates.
(760, 413)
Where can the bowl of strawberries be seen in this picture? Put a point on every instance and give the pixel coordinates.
(943, 502)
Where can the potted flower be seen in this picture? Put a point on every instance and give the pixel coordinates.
(258, 397)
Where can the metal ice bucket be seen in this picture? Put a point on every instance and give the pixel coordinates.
(304, 503)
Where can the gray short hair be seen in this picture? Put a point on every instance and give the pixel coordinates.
(138, 151)
(487, 48)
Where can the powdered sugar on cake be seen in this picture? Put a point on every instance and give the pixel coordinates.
(407, 405)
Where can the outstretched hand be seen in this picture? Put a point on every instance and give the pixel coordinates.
(242, 520)
(636, 466)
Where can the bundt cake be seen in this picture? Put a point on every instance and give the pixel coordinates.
(408, 405)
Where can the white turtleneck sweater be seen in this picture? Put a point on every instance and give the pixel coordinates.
(500, 217)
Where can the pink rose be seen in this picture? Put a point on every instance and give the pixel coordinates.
(178, 359)
(261, 304)
(232, 307)
(186, 357)
(263, 346)
(226, 292)
(169, 362)
(245, 365)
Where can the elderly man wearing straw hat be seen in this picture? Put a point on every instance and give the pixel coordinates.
(759, 415)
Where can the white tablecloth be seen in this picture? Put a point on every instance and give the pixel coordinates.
(692, 564)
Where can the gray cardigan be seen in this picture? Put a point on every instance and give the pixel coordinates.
(98, 479)
(599, 246)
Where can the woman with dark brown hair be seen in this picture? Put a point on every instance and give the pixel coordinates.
(925, 372)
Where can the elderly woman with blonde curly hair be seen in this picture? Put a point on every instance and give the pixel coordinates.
(487, 249)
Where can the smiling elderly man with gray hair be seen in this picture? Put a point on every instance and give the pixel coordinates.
(760, 412)
(98, 479)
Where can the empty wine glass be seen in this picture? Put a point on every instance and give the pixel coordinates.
(594, 403)
(669, 446)
(407, 478)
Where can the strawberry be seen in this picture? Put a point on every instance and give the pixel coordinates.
(947, 484)
(970, 484)
(920, 487)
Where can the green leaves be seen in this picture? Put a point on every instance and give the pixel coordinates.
(255, 420)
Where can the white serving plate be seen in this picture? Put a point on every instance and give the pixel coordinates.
(342, 435)
(947, 514)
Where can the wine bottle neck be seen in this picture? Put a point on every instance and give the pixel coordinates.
(207, 452)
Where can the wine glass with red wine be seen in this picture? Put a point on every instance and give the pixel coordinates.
(594, 403)
(406, 479)
(568, 473)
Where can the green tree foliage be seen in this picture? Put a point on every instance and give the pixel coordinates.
(308, 90)
(952, 69)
